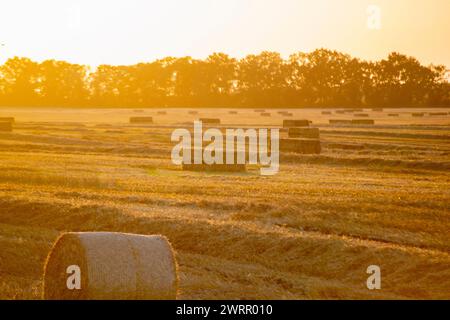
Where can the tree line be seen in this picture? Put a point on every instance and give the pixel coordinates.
(322, 78)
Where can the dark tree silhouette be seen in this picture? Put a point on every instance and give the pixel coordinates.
(322, 78)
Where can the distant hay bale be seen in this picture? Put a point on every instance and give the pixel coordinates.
(339, 121)
(363, 121)
(141, 120)
(162, 113)
(265, 114)
(193, 112)
(6, 126)
(210, 120)
(232, 112)
(8, 119)
(112, 266)
(438, 113)
(311, 133)
(361, 115)
(393, 115)
(260, 110)
(295, 123)
(418, 114)
(340, 111)
(326, 112)
(302, 146)
(138, 111)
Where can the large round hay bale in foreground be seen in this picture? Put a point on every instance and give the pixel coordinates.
(112, 266)
(295, 123)
(312, 133)
(6, 126)
(141, 120)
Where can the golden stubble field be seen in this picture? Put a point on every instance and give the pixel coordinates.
(376, 195)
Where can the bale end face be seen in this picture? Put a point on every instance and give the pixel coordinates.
(8, 119)
(210, 120)
(364, 121)
(141, 120)
(111, 266)
(295, 123)
(6, 126)
(310, 133)
(301, 146)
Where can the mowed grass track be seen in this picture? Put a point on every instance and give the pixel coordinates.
(376, 195)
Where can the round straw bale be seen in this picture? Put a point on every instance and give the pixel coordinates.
(112, 266)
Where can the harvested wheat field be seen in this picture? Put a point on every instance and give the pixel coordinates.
(375, 195)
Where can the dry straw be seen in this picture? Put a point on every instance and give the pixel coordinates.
(113, 266)
(141, 120)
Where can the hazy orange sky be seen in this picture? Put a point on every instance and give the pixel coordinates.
(129, 31)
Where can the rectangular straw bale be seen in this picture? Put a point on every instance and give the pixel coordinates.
(210, 120)
(363, 121)
(339, 121)
(311, 133)
(141, 120)
(295, 123)
(8, 119)
(302, 146)
(6, 126)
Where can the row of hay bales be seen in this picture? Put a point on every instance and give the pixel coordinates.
(6, 124)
